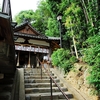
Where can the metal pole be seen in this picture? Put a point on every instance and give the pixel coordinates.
(51, 88)
(41, 71)
(60, 29)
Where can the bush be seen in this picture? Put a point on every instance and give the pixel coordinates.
(62, 58)
(92, 57)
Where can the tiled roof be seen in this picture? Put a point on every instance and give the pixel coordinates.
(30, 35)
(23, 25)
(36, 37)
(54, 38)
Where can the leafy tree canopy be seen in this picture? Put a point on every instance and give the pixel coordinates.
(23, 15)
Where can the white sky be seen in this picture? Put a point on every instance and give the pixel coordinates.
(19, 5)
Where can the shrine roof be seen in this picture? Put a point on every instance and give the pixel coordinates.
(36, 37)
(30, 35)
(22, 26)
(21, 30)
(54, 38)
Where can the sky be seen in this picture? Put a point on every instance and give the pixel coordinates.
(19, 5)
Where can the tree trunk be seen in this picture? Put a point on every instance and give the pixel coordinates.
(75, 47)
(85, 11)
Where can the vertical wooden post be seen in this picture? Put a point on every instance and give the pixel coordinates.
(29, 60)
(18, 59)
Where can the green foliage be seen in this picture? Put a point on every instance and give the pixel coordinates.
(61, 58)
(72, 59)
(53, 7)
(81, 20)
(27, 14)
(42, 19)
(73, 22)
(52, 29)
(93, 49)
(92, 57)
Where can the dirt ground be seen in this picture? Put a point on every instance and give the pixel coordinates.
(78, 79)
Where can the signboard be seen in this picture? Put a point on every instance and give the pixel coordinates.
(32, 49)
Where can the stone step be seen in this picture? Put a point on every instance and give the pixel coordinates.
(38, 85)
(5, 88)
(39, 89)
(43, 90)
(47, 96)
(4, 98)
(59, 99)
(38, 77)
(37, 74)
(5, 95)
(65, 99)
(33, 71)
(39, 80)
(6, 81)
(36, 71)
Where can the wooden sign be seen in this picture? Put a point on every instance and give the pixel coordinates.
(32, 49)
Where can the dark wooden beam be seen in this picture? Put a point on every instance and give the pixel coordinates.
(6, 8)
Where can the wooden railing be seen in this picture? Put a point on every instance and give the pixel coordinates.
(52, 80)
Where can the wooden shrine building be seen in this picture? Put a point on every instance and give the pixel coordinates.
(29, 44)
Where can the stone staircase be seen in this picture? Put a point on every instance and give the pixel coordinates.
(9, 85)
(5, 89)
(39, 89)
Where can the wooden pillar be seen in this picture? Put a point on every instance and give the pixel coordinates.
(18, 59)
(29, 61)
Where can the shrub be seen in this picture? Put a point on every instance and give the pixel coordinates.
(92, 57)
(62, 58)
